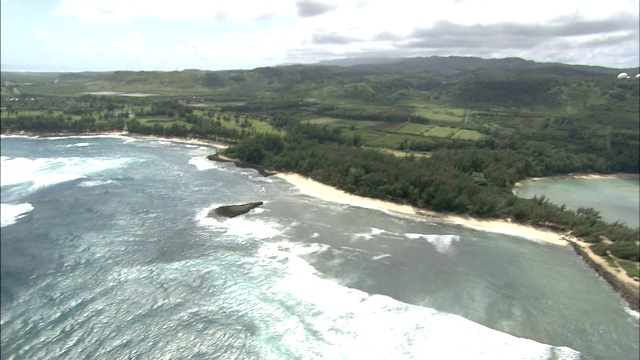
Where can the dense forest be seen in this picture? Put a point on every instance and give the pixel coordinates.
(447, 134)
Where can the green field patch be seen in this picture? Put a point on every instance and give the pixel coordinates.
(464, 134)
(379, 139)
(259, 126)
(400, 153)
(440, 131)
(344, 123)
(442, 114)
(630, 267)
(412, 128)
(263, 127)
(165, 122)
(323, 121)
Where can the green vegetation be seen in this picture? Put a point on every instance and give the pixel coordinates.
(630, 267)
(447, 134)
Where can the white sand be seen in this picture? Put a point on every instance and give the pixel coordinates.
(324, 192)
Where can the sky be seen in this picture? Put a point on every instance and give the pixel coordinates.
(106, 35)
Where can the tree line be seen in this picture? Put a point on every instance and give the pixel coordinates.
(464, 180)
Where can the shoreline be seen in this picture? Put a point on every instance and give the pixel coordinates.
(626, 287)
(191, 141)
(328, 193)
(577, 176)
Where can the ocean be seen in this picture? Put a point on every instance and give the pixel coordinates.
(107, 252)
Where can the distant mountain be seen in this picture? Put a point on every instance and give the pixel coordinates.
(358, 61)
(449, 63)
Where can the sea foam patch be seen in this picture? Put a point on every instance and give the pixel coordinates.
(44, 172)
(92, 183)
(202, 163)
(442, 243)
(371, 234)
(11, 213)
(241, 225)
(336, 321)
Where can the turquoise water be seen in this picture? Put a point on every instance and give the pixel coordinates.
(617, 199)
(107, 253)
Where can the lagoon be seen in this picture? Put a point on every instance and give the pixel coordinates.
(617, 198)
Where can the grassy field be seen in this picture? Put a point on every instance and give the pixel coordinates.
(400, 153)
(343, 123)
(440, 131)
(453, 115)
(412, 128)
(464, 134)
(630, 267)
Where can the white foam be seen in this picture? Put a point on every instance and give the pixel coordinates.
(202, 163)
(634, 314)
(104, 136)
(340, 322)
(358, 236)
(442, 243)
(11, 213)
(368, 236)
(240, 225)
(43, 172)
(84, 144)
(92, 183)
(381, 257)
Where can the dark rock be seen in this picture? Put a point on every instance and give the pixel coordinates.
(234, 210)
(241, 164)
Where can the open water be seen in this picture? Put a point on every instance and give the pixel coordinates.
(616, 198)
(107, 253)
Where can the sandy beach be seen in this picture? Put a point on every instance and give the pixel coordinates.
(617, 278)
(324, 192)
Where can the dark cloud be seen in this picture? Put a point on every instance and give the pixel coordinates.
(611, 41)
(445, 34)
(386, 36)
(310, 8)
(332, 38)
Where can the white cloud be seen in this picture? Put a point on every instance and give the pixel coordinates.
(133, 42)
(250, 33)
(125, 10)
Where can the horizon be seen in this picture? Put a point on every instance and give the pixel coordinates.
(319, 63)
(145, 35)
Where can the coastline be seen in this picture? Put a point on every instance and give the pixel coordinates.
(622, 284)
(193, 141)
(325, 192)
(625, 286)
(573, 176)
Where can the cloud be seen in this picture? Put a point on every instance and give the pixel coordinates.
(311, 8)
(184, 10)
(386, 36)
(332, 38)
(133, 42)
(508, 35)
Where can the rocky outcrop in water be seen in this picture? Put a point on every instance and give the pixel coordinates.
(241, 164)
(230, 211)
